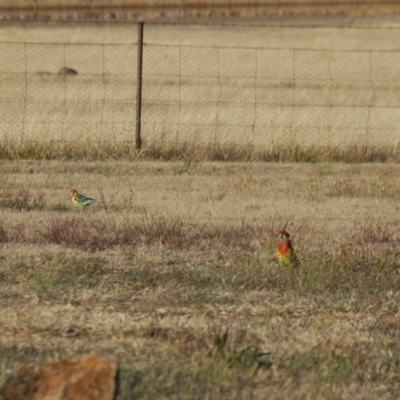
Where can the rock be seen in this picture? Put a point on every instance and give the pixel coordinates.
(67, 71)
(88, 377)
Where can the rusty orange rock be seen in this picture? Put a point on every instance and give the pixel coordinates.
(88, 377)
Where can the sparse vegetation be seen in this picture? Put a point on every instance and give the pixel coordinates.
(190, 153)
(21, 200)
(176, 275)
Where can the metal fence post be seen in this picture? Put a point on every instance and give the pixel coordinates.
(139, 86)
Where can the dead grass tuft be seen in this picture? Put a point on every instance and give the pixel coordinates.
(89, 235)
(96, 234)
(3, 234)
(21, 200)
(101, 151)
(160, 229)
(375, 232)
(249, 359)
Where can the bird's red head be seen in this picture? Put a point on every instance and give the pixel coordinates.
(73, 192)
(283, 235)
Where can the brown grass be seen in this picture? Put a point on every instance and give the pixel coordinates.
(176, 275)
(126, 150)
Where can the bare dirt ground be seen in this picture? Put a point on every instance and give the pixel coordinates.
(181, 253)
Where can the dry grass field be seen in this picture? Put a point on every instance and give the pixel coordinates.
(175, 273)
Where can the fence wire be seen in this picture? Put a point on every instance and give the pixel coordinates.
(200, 94)
(67, 92)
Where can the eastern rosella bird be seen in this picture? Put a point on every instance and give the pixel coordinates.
(82, 201)
(285, 251)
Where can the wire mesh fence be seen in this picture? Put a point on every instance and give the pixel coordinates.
(67, 92)
(258, 96)
(272, 97)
